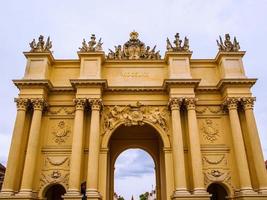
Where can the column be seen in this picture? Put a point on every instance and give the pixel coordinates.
(178, 148)
(239, 148)
(12, 170)
(93, 153)
(103, 175)
(77, 149)
(258, 160)
(195, 150)
(32, 148)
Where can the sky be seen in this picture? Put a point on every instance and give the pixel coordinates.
(68, 22)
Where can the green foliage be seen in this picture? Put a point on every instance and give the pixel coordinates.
(144, 196)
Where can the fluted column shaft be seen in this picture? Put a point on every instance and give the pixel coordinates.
(178, 148)
(32, 148)
(195, 150)
(16, 142)
(239, 148)
(93, 153)
(258, 160)
(77, 148)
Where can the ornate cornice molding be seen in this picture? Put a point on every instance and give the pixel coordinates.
(248, 82)
(167, 83)
(33, 83)
(78, 83)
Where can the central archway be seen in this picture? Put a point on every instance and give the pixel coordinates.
(143, 137)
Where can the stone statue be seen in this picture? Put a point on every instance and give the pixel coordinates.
(179, 46)
(41, 45)
(227, 45)
(92, 45)
(133, 49)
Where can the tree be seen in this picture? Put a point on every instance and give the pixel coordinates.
(144, 196)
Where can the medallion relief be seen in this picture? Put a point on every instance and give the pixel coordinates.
(210, 131)
(132, 115)
(61, 132)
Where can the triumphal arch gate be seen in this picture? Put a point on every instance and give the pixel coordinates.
(193, 116)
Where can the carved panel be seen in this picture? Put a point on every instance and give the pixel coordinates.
(54, 176)
(209, 110)
(218, 160)
(61, 110)
(52, 162)
(135, 115)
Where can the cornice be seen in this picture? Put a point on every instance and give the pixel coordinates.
(177, 54)
(135, 89)
(248, 82)
(33, 83)
(95, 54)
(181, 83)
(221, 54)
(78, 83)
(48, 55)
(134, 62)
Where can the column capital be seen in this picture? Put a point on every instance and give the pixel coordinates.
(175, 103)
(38, 103)
(190, 103)
(248, 102)
(96, 104)
(231, 102)
(22, 103)
(79, 103)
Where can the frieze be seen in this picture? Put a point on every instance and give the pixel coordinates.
(61, 110)
(136, 114)
(209, 109)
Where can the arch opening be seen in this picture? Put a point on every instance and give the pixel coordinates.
(145, 139)
(54, 192)
(217, 191)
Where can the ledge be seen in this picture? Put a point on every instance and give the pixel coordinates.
(223, 83)
(89, 82)
(33, 83)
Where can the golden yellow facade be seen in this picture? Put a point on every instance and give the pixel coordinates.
(193, 116)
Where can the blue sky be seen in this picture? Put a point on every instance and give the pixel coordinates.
(68, 22)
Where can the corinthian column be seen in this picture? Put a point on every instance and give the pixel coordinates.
(32, 148)
(77, 149)
(93, 152)
(239, 148)
(258, 160)
(12, 169)
(195, 150)
(178, 149)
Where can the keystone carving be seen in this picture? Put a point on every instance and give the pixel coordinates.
(61, 132)
(216, 175)
(133, 49)
(92, 45)
(41, 46)
(132, 115)
(55, 177)
(210, 132)
(178, 46)
(227, 45)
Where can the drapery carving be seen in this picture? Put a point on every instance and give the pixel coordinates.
(131, 115)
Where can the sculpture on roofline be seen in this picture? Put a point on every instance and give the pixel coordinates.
(92, 45)
(178, 46)
(133, 49)
(41, 46)
(227, 45)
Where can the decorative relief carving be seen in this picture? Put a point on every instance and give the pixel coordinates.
(56, 176)
(96, 104)
(214, 161)
(209, 109)
(178, 44)
(38, 103)
(61, 110)
(133, 49)
(231, 102)
(210, 130)
(227, 45)
(61, 132)
(41, 45)
(57, 161)
(92, 46)
(216, 175)
(190, 103)
(175, 103)
(79, 103)
(132, 115)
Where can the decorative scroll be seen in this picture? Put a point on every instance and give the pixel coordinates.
(132, 115)
(61, 132)
(210, 132)
(133, 49)
(178, 46)
(41, 46)
(227, 45)
(92, 45)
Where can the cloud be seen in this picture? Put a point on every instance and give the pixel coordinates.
(134, 163)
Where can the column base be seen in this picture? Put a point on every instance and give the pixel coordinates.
(263, 191)
(6, 193)
(93, 194)
(180, 192)
(251, 197)
(26, 194)
(72, 194)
